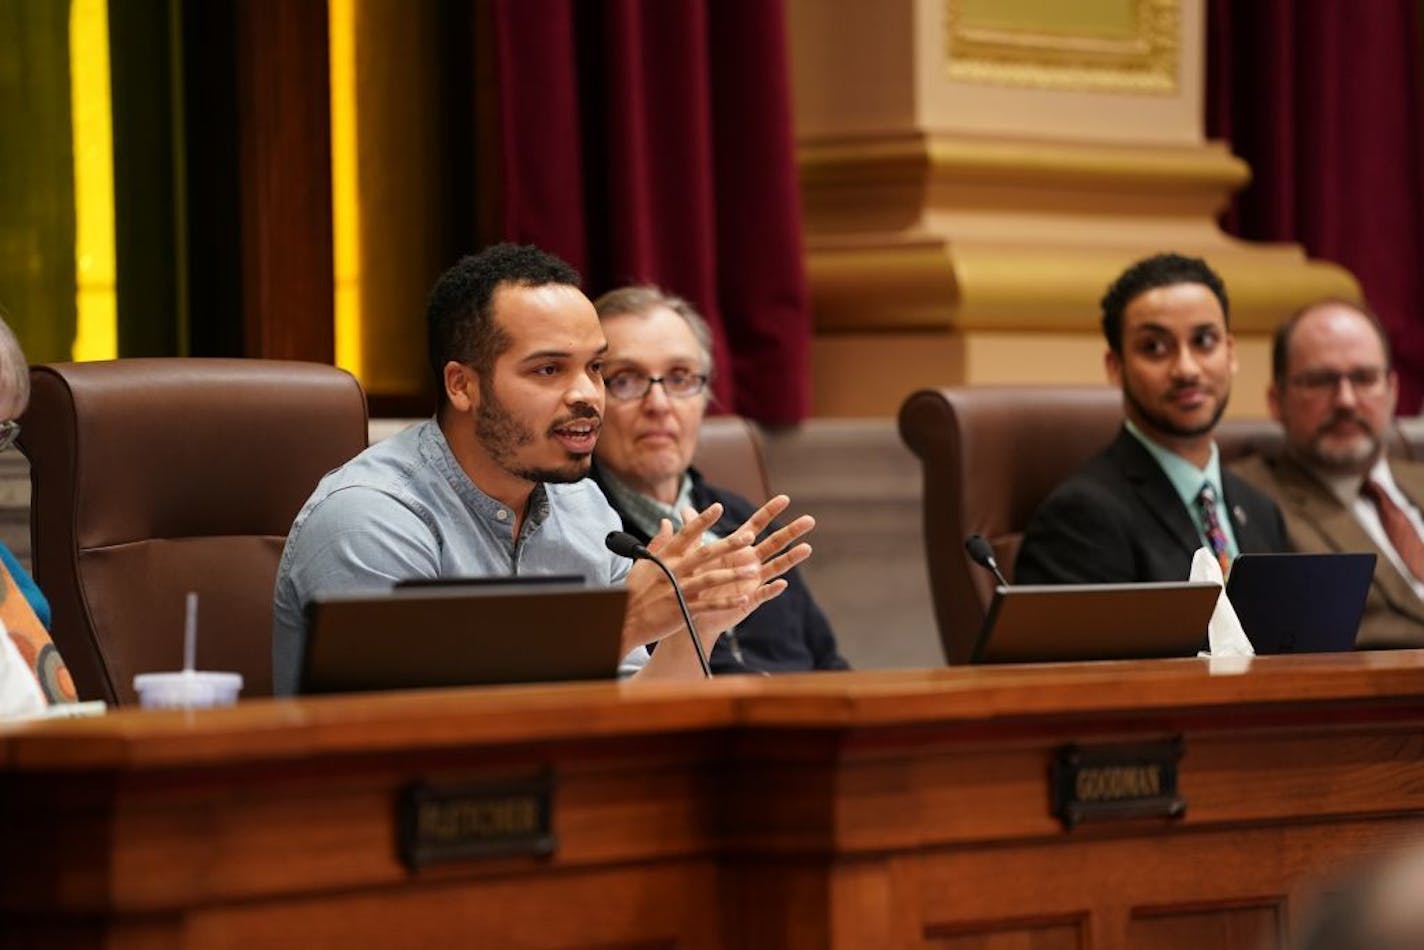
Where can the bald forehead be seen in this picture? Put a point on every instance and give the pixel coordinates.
(1325, 327)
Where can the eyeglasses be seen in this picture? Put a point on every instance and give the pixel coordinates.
(1368, 380)
(9, 432)
(631, 384)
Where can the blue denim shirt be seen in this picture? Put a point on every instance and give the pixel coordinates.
(404, 508)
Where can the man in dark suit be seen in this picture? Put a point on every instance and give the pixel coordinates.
(1140, 509)
(1333, 389)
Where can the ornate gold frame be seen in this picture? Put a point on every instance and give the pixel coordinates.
(1144, 62)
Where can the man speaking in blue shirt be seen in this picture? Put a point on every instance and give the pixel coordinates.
(494, 484)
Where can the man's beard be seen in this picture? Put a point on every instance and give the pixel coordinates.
(502, 436)
(1353, 461)
(1167, 426)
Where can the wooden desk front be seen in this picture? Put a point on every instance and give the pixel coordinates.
(834, 810)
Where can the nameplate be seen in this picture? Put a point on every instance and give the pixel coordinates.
(450, 823)
(1113, 782)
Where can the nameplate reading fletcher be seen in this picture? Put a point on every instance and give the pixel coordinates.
(451, 823)
(1093, 783)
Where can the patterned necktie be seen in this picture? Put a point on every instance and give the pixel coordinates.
(1397, 526)
(1206, 504)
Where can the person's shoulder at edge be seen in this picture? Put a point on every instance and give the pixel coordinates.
(1080, 533)
(1093, 490)
(354, 510)
(352, 539)
(357, 529)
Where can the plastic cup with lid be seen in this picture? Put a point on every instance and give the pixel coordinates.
(188, 688)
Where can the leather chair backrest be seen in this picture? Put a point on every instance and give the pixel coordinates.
(155, 477)
(729, 455)
(990, 454)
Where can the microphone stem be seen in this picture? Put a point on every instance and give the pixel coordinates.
(687, 618)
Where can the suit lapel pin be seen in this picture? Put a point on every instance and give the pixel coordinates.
(1239, 514)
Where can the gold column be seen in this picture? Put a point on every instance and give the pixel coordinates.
(974, 173)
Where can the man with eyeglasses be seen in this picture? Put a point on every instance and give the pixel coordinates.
(495, 484)
(1333, 391)
(656, 371)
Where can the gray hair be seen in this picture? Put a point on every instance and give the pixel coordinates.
(641, 299)
(14, 372)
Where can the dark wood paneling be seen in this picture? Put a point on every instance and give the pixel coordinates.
(1032, 934)
(147, 201)
(1232, 927)
(284, 128)
(214, 194)
(855, 810)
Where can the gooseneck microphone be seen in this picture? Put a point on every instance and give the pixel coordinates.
(625, 545)
(983, 554)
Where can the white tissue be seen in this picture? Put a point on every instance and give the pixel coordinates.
(1224, 634)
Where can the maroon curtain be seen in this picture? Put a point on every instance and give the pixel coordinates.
(1322, 98)
(650, 141)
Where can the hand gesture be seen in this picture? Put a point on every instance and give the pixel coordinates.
(723, 582)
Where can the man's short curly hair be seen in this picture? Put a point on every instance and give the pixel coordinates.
(459, 313)
(1159, 270)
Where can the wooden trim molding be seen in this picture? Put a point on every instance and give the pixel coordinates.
(951, 232)
(829, 162)
(284, 130)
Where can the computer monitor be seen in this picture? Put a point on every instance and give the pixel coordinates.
(455, 634)
(1051, 623)
(1300, 603)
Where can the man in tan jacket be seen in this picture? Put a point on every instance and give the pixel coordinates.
(1333, 390)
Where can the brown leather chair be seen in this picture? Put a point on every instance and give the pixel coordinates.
(991, 454)
(154, 477)
(729, 455)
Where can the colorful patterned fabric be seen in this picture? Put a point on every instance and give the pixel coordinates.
(33, 642)
(28, 587)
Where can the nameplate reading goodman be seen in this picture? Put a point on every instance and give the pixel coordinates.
(1094, 783)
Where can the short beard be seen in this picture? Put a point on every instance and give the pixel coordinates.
(502, 436)
(1346, 462)
(1167, 426)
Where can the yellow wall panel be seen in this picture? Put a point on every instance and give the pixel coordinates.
(97, 336)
